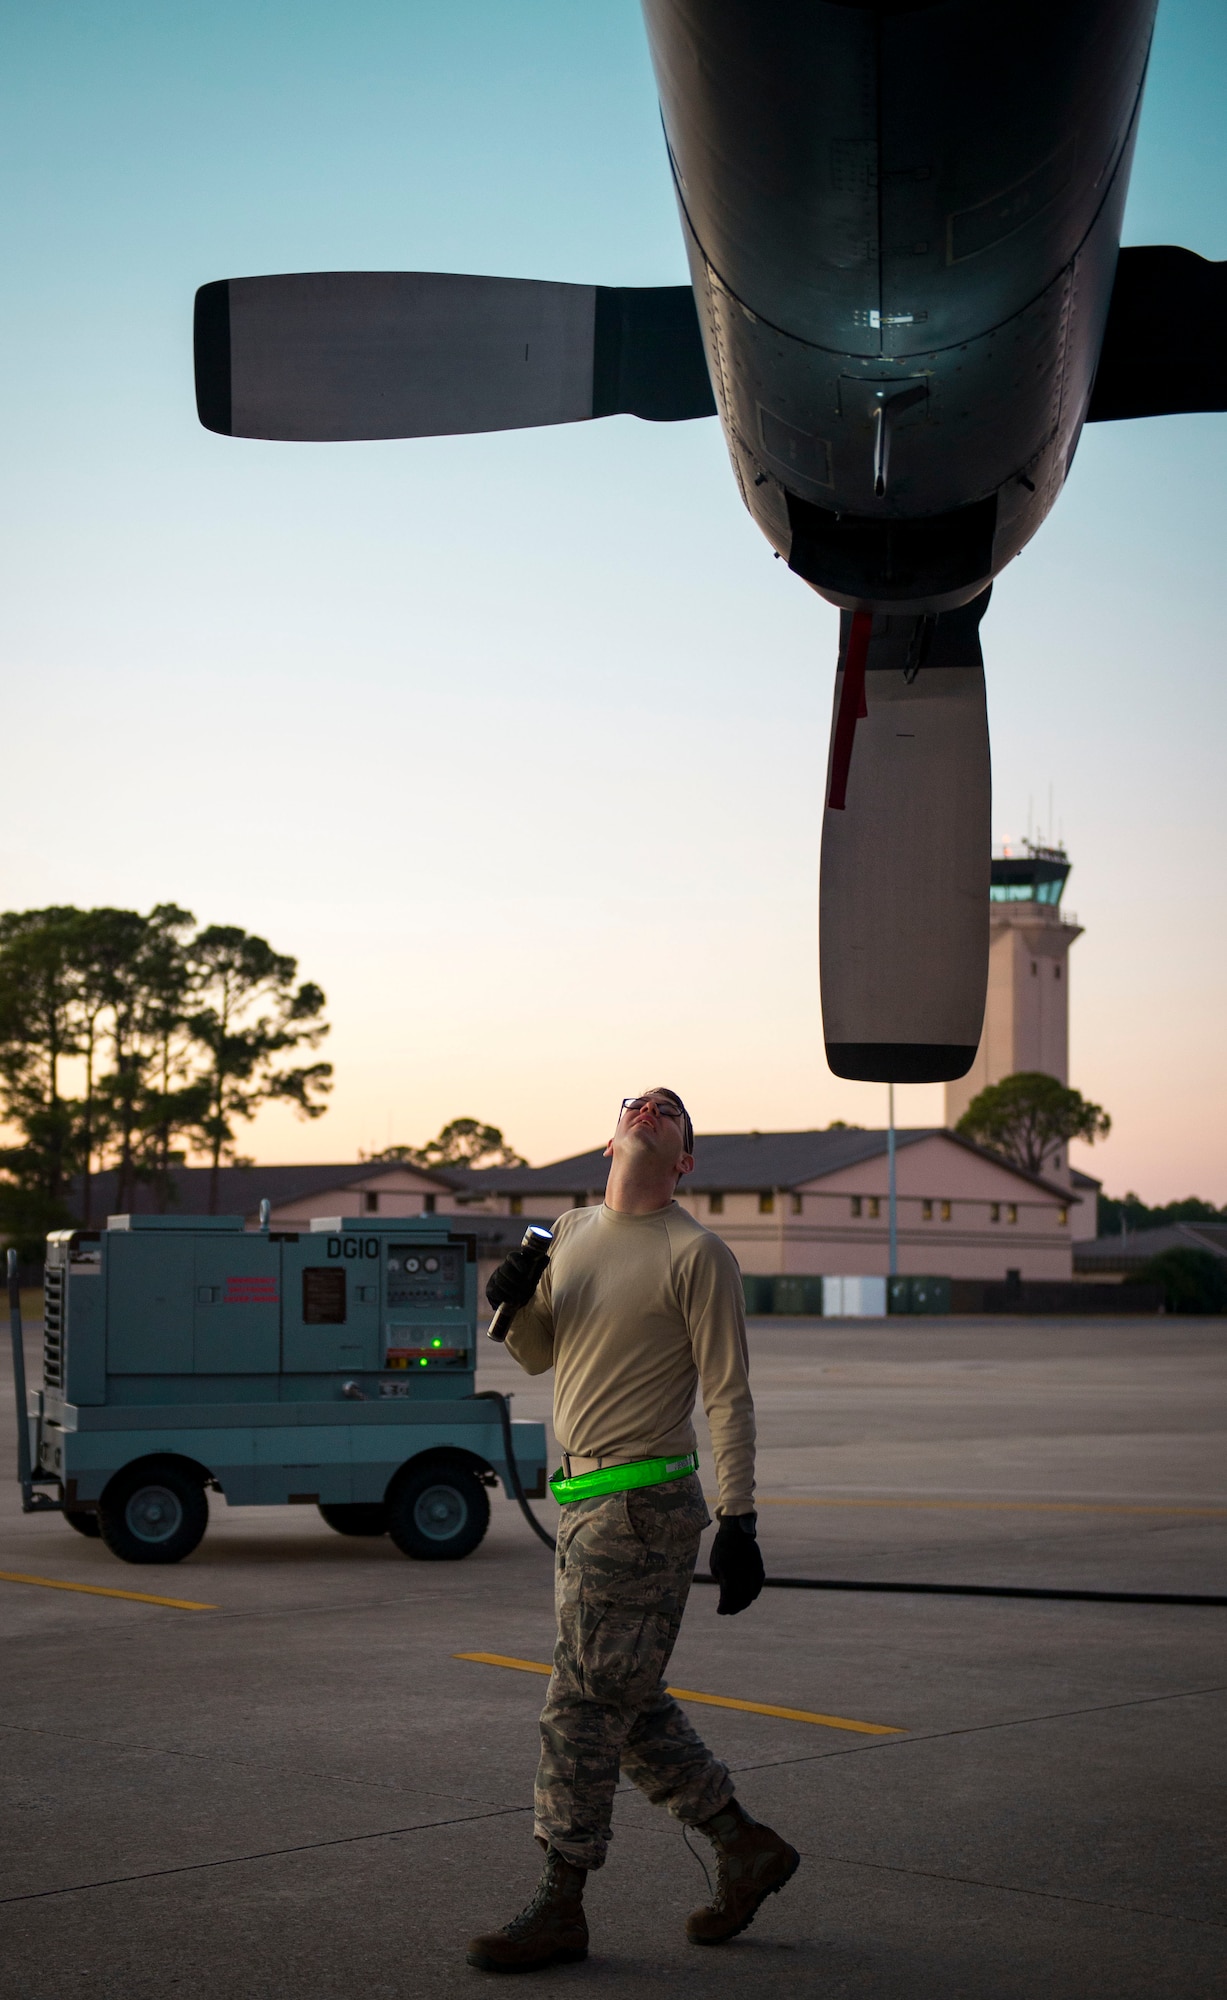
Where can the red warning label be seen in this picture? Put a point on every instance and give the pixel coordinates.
(251, 1292)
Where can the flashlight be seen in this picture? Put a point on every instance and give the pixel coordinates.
(537, 1242)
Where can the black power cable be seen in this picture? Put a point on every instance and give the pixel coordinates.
(982, 1590)
(513, 1471)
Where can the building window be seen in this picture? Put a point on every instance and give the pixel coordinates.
(1035, 971)
(1063, 1216)
(370, 1203)
(946, 1211)
(1056, 972)
(1011, 1214)
(875, 1208)
(579, 1201)
(796, 1204)
(715, 1203)
(994, 1211)
(766, 1204)
(516, 1205)
(429, 1204)
(926, 1211)
(856, 1206)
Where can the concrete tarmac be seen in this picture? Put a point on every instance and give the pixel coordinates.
(300, 1792)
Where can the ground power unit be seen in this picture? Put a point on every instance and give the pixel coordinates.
(332, 1367)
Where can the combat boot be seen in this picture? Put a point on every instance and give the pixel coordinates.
(552, 1928)
(752, 1862)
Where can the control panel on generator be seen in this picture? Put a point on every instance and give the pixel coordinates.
(333, 1365)
(391, 1300)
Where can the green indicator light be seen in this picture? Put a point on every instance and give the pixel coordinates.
(436, 1343)
(423, 1363)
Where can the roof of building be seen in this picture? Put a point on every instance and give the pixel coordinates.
(726, 1162)
(1125, 1252)
(722, 1160)
(1086, 1182)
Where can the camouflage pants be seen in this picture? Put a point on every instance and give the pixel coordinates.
(623, 1574)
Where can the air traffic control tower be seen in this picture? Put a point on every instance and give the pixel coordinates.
(1026, 1014)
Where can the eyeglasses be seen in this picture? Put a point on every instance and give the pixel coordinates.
(664, 1108)
(656, 1105)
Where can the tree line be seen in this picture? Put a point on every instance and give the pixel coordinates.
(1129, 1212)
(128, 1040)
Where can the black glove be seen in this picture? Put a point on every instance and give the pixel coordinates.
(516, 1278)
(736, 1564)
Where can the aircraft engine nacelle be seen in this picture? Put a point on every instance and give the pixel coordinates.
(903, 224)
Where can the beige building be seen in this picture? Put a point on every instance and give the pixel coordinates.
(816, 1203)
(796, 1203)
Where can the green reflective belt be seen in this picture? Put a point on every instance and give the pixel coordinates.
(621, 1478)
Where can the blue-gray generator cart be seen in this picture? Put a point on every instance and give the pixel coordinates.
(333, 1367)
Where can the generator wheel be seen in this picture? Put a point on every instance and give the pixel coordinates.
(153, 1513)
(357, 1517)
(438, 1512)
(85, 1524)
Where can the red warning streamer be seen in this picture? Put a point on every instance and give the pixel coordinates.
(852, 707)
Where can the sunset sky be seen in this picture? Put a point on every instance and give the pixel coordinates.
(517, 742)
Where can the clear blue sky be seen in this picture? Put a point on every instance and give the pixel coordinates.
(517, 742)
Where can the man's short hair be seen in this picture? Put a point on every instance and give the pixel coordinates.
(663, 1090)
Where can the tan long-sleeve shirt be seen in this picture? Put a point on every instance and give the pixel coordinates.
(635, 1313)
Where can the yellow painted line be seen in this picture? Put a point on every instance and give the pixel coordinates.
(997, 1506)
(789, 1714)
(710, 1700)
(100, 1590)
(505, 1660)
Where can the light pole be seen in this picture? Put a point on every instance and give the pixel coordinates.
(893, 1204)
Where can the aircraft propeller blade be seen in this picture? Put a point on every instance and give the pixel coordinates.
(906, 845)
(331, 355)
(1164, 347)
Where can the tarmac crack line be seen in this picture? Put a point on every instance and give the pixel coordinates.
(915, 1736)
(1016, 1889)
(262, 1854)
